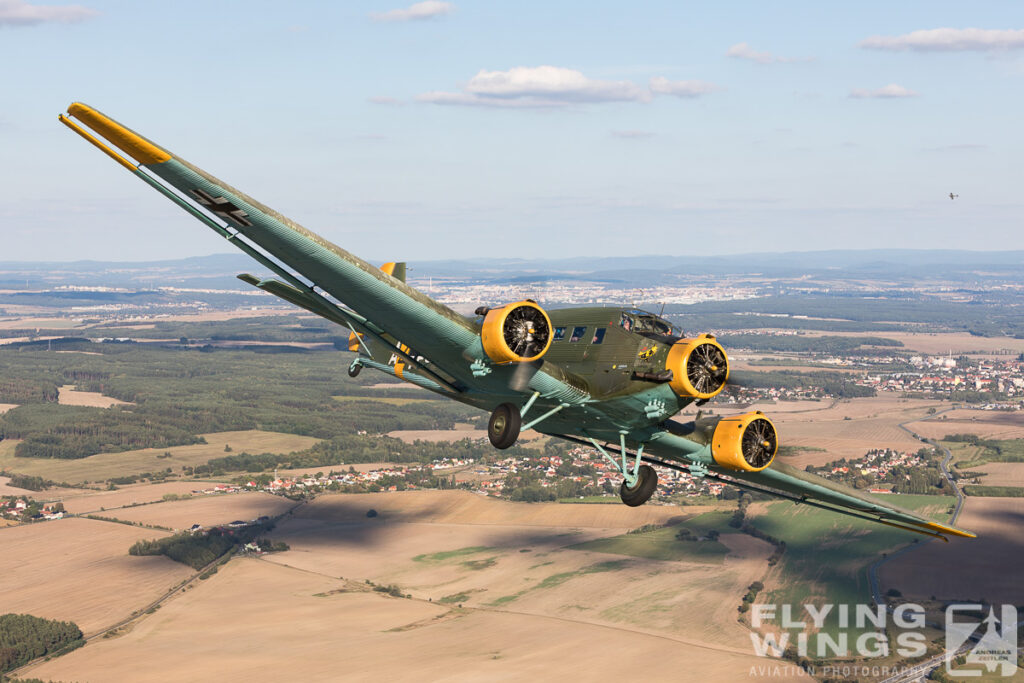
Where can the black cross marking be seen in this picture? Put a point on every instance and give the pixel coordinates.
(222, 207)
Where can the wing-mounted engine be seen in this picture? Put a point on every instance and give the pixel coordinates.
(747, 443)
(516, 333)
(699, 367)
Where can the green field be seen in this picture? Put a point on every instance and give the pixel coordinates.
(663, 545)
(97, 468)
(827, 554)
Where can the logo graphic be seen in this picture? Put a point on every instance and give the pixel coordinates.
(988, 641)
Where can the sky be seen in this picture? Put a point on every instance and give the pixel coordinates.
(523, 129)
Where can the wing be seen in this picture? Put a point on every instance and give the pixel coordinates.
(783, 481)
(395, 308)
(312, 270)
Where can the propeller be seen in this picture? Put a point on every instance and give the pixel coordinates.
(707, 368)
(759, 443)
(526, 331)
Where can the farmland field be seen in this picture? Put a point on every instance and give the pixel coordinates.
(107, 465)
(206, 510)
(967, 569)
(70, 397)
(80, 570)
(251, 634)
(827, 554)
(847, 429)
(988, 424)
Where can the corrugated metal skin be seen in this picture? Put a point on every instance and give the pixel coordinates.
(432, 329)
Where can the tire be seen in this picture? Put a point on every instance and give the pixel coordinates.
(503, 428)
(354, 370)
(646, 483)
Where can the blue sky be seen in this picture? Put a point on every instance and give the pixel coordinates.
(464, 129)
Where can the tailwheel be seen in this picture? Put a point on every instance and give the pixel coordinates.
(642, 489)
(503, 428)
(355, 369)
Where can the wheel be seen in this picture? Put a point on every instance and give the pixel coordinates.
(647, 481)
(503, 429)
(355, 369)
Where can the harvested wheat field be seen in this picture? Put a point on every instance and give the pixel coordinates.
(461, 549)
(988, 424)
(872, 423)
(68, 396)
(79, 502)
(4, 407)
(1002, 474)
(221, 508)
(52, 493)
(255, 621)
(107, 465)
(971, 569)
(463, 507)
(80, 570)
(940, 343)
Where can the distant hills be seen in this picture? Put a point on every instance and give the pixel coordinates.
(217, 271)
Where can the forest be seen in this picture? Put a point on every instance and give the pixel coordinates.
(24, 637)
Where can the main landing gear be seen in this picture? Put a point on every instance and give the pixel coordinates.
(642, 489)
(503, 429)
(639, 481)
(506, 421)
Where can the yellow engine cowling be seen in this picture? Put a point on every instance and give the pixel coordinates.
(746, 443)
(699, 367)
(516, 333)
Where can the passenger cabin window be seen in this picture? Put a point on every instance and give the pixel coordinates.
(577, 334)
(559, 334)
(598, 336)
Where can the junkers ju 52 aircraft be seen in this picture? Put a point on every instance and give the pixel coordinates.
(611, 378)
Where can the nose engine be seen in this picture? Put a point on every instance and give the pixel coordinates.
(516, 333)
(746, 443)
(699, 367)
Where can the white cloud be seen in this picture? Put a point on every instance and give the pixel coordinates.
(744, 51)
(662, 86)
(891, 91)
(949, 40)
(525, 87)
(417, 12)
(540, 86)
(21, 13)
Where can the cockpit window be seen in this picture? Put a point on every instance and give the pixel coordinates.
(626, 323)
(649, 323)
(577, 334)
(598, 336)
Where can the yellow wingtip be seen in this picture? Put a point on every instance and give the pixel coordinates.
(943, 529)
(128, 141)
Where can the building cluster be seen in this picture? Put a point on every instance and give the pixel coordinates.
(878, 466)
(579, 293)
(944, 376)
(24, 509)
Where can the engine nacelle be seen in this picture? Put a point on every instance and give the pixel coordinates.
(746, 443)
(699, 367)
(516, 333)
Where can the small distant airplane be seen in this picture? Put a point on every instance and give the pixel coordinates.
(611, 378)
(953, 196)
